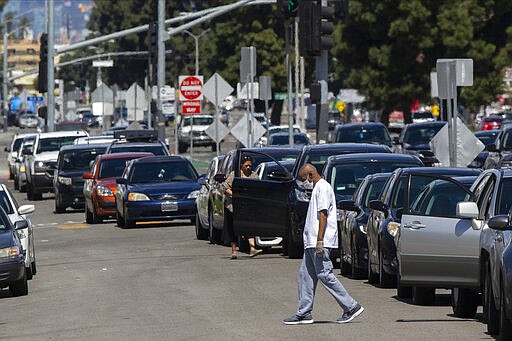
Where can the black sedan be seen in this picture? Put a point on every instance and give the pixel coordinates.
(415, 138)
(12, 256)
(487, 137)
(369, 132)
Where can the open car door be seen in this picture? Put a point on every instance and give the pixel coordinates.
(434, 246)
(260, 207)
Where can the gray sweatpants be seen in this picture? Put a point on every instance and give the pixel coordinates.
(312, 269)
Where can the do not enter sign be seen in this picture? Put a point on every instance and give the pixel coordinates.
(191, 88)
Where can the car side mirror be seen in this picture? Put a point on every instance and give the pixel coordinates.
(491, 147)
(219, 177)
(348, 205)
(26, 209)
(378, 206)
(20, 225)
(500, 222)
(203, 181)
(87, 175)
(467, 209)
(121, 181)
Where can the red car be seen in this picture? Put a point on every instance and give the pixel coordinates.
(100, 185)
(491, 123)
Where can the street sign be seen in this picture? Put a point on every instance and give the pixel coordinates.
(102, 101)
(36, 99)
(216, 89)
(340, 105)
(240, 130)
(223, 131)
(469, 145)
(463, 70)
(265, 88)
(247, 64)
(135, 103)
(191, 88)
(242, 92)
(433, 85)
(446, 78)
(169, 109)
(103, 63)
(190, 107)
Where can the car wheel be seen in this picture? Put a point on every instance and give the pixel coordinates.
(34, 267)
(423, 295)
(357, 273)
(295, 250)
(345, 267)
(491, 313)
(120, 220)
(402, 291)
(385, 279)
(201, 232)
(372, 276)
(243, 244)
(88, 216)
(214, 147)
(30, 196)
(16, 184)
(464, 302)
(96, 219)
(20, 287)
(58, 207)
(182, 148)
(505, 323)
(36, 196)
(214, 235)
(23, 188)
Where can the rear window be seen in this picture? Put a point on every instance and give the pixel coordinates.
(421, 135)
(370, 134)
(162, 172)
(78, 160)
(155, 149)
(281, 140)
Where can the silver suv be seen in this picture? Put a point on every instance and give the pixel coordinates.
(193, 128)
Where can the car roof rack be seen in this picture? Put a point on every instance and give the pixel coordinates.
(136, 135)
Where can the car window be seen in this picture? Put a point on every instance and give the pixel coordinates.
(435, 197)
(78, 160)
(366, 134)
(52, 144)
(485, 199)
(504, 199)
(507, 140)
(203, 121)
(112, 168)
(421, 134)
(17, 144)
(156, 149)
(162, 172)
(372, 192)
(5, 203)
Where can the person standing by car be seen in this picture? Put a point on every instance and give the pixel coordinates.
(320, 237)
(228, 233)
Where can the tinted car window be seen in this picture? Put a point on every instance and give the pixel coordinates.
(17, 144)
(284, 140)
(162, 172)
(372, 192)
(203, 121)
(436, 198)
(5, 203)
(112, 168)
(505, 197)
(507, 140)
(421, 135)
(370, 134)
(487, 139)
(155, 149)
(78, 159)
(52, 144)
(284, 156)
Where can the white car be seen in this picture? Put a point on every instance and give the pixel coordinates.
(13, 151)
(26, 235)
(262, 142)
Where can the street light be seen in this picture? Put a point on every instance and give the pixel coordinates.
(196, 38)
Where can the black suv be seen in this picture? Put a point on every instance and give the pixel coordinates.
(134, 141)
(284, 202)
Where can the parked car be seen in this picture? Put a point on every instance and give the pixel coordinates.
(45, 151)
(12, 256)
(286, 212)
(26, 235)
(204, 198)
(283, 139)
(28, 120)
(68, 182)
(156, 188)
(414, 139)
(501, 147)
(386, 216)
(396, 121)
(99, 187)
(20, 176)
(193, 128)
(13, 151)
(422, 116)
(137, 141)
(368, 132)
(487, 137)
(352, 225)
(436, 243)
(490, 123)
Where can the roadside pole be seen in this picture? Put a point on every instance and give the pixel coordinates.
(288, 35)
(50, 104)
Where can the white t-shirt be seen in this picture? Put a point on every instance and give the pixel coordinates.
(322, 198)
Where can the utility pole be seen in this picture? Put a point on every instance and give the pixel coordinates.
(5, 103)
(160, 70)
(50, 106)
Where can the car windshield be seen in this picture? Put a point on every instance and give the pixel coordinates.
(79, 160)
(421, 135)
(162, 172)
(280, 140)
(504, 197)
(156, 149)
(423, 114)
(201, 121)
(346, 177)
(5, 203)
(52, 144)
(365, 134)
(113, 168)
(372, 192)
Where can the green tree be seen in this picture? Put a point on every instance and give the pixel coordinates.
(388, 48)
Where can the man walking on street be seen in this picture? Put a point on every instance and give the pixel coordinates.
(320, 237)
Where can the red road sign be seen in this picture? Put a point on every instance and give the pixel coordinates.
(190, 107)
(191, 87)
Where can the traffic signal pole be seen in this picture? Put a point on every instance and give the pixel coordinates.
(160, 70)
(50, 106)
(5, 105)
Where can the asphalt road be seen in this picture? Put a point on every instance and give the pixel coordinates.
(99, 282)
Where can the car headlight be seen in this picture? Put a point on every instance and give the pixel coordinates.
(301, 195)
(39, 167)
(22, 169)
(393, 228)
(9, 252)
(363, 228)
(64, 180)
(134, 196)
(103, 191)
(193, 194)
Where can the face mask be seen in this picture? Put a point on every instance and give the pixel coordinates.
(308, 185)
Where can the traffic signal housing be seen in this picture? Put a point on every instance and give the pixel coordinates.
(42, 78)
(288, 8)
(152, 51)
(315, 28)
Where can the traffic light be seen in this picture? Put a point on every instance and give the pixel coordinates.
(42, 79)
(321, 29)
(152, 51)
(288, 8)
(340, 9)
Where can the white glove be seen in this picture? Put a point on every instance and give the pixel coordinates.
(319, 248)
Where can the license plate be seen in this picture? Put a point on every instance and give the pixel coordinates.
(169, 206)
